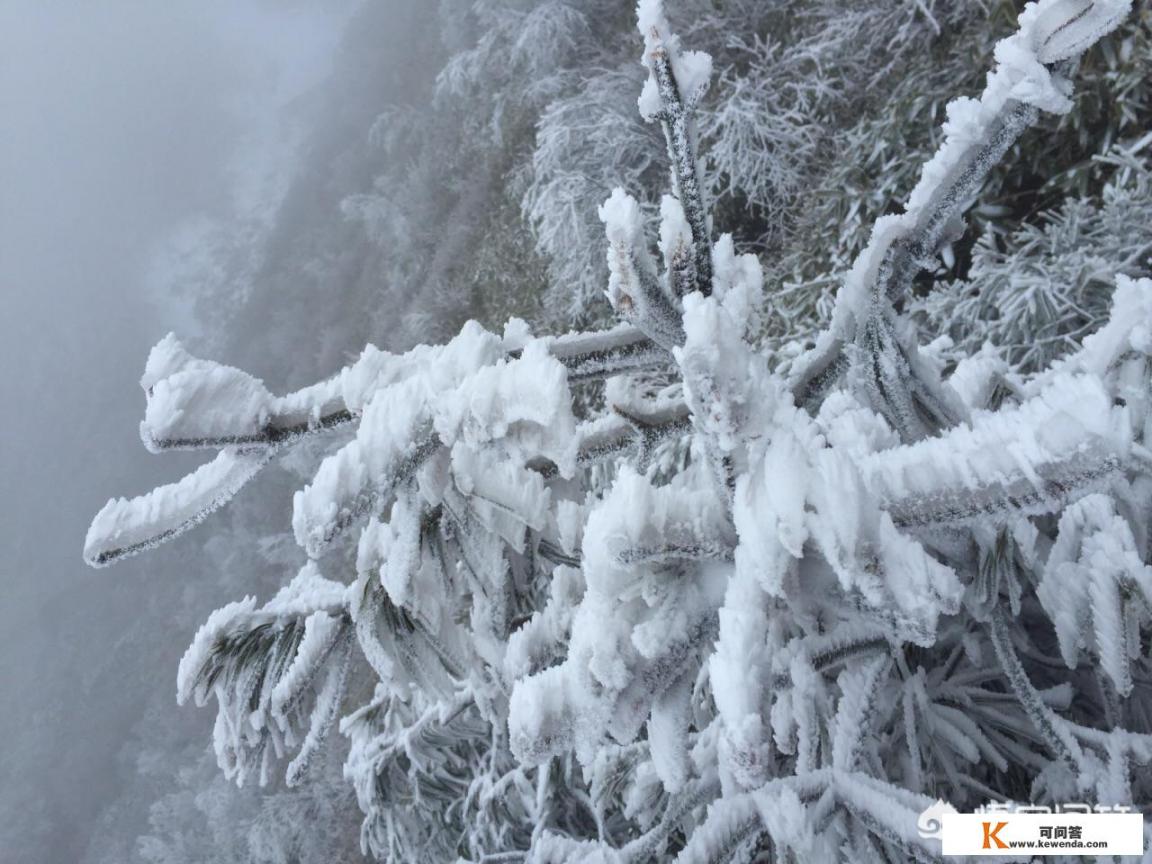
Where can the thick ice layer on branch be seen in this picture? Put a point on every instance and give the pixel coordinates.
(977, 133)
(196, 403)
(1031, 458)
(1096, 588)
(436, 367)
(647, 612)
(126, 526)
(519, 408)
(190, 398)
(308, 594)
(1129, 330)
(693, 69)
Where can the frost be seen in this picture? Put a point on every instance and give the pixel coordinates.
(1097, 589)
(1033, 457)
(190, 399)
(126, 526)
(741, 600)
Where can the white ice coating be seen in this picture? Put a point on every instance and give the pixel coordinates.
(731, 621)
(1049, 31)
(190, 398)
(1029, 444)
(125, 526)
(693, 69)
(520, 407)
(1096, 588)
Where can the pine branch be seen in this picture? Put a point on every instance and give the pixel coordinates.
(125, 527)
(675, 117)
(1051, 728)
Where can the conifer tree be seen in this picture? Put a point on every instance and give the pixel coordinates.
(763, 602)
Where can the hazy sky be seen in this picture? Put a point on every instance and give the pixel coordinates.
(118, 124)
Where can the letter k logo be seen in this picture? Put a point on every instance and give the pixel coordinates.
(990, 835)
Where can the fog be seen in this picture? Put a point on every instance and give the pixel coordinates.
(121, 124)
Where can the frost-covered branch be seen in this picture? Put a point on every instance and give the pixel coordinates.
(259, 665)
(676, 82)
(199, 404)
(741, 602)
(124, 527)
(1030, 76)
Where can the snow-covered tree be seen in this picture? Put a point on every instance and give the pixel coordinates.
(763, 600)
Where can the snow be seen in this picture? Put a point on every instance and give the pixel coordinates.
(221, 622)
(325, 712)
(542, 639)
(523, 404)
(738, 280)
(630, 634)
(976, 133)
(621, 217)
(394, 426)
(626, 249)
(1066, 434)
(126, 527)
(1060, 29)
(191, 399)
(509, 500)
(668, 733)
(1094, 587)
(308, 591)
(721, 638)
(321, 632)
(633, 287)
(1129, 329)
(976, 377)
(520, 408)
(308, 596)
(857, 695)
(693, 74)
(692, 69)
(739, 672)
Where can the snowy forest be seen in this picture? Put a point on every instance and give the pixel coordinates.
(696, 431)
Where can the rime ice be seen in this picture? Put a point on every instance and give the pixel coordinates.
(756, 599)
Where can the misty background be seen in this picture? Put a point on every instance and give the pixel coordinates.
(126, 125)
